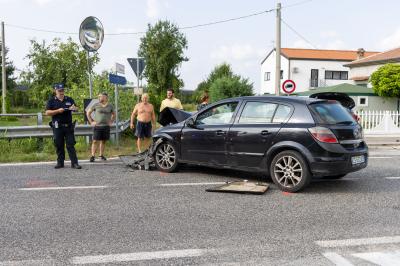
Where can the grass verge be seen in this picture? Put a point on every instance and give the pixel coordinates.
(30, 150)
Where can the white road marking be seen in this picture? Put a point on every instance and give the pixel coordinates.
(358, 241)
(191, 184)
(389, 258)
(125, 257)
(60, 188)
(379, 157)
(28, 262)
(337, 259)
(392, 177)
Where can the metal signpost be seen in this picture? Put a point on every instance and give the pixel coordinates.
(117, 80)
(3, 72)
(91, 36)
(137, 64)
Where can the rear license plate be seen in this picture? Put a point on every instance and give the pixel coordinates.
(358, 159)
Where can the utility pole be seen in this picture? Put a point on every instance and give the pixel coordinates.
(3, 72)
(278, 50)
(138, 75)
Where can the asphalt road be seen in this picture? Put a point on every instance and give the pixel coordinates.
(106, 214)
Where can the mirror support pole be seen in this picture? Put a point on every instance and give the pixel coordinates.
(90, 76)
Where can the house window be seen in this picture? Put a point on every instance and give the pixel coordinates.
(337, 75)
(267, 76)
(281, 74)
(363, 101)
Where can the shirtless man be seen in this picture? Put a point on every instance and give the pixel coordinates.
(145, 118)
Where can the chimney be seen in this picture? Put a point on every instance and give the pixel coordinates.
(360, 53)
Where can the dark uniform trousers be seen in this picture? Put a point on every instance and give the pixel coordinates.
(64, 134)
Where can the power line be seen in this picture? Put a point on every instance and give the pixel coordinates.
(227, 20)
(298, 34)
(40, 30)
(297, 4)
(142, 32)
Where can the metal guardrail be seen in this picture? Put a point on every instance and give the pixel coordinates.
(43, 131)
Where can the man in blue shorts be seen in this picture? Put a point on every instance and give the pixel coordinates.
(146, 119)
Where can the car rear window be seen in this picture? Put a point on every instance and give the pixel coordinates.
(331, 112)
(281, 114)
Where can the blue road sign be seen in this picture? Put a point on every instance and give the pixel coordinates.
(115, 79)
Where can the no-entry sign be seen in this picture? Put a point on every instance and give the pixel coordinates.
(288, 86)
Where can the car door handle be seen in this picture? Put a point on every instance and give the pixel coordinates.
(221, 133)
(265, 133)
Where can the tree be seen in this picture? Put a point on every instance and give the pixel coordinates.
(58, 62)
(163, 49)
(386, 80)
(222, 83)
(228, 87)
(10, 80)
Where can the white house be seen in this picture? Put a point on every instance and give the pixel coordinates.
(308, 68)
(362, 69)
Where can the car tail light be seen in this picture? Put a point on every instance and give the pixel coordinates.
(355, 116)
(323, 134)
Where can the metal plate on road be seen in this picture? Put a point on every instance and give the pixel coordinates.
(243, 187)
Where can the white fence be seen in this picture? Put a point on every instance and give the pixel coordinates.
(380, 122)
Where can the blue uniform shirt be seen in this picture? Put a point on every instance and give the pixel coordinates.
(53, 104)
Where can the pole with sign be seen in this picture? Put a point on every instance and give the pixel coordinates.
(289, 86)
(91, 35)
(137, 64)
(117, 80)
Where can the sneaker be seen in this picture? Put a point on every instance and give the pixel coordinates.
(58, 166)
(91, 159)
(103, 158)
(76, 166)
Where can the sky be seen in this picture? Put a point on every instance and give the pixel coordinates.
(324, 24)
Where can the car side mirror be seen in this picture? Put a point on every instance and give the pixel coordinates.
(190, 123)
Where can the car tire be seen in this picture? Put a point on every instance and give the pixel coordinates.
(166, 157)
(289, 171)
(334, 176)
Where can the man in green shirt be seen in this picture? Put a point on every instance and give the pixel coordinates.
(104, 116)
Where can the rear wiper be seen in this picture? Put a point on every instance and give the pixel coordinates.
(344, 123)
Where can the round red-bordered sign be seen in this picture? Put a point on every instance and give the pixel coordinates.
(288, 86)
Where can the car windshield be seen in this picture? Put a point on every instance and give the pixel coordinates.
(331, 112)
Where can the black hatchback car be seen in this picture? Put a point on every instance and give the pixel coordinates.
(292, 139)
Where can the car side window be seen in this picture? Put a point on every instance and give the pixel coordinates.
(217, 115)
(281, 114)
(257, 112)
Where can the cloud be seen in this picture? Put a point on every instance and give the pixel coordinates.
(391, 41)
(42, 2)
(301, 44)
(238, 52)
(329, 34)
(153, 8)
(125, 30)
(335, 45)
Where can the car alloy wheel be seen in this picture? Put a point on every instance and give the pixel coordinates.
(288, 171)
(166, 157)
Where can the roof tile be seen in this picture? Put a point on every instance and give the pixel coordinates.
(342, 55)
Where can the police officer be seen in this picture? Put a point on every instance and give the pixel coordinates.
(60, 108)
